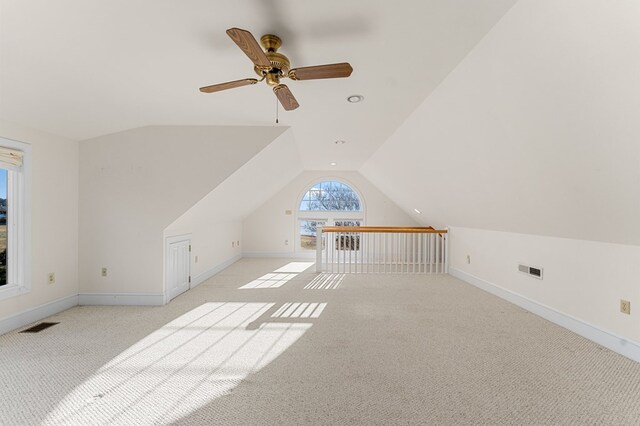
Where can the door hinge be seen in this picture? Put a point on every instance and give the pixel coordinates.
(189, 247)
(189, 278)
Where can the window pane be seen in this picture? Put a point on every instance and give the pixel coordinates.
(308, 229)
(347, 242)
(347, 223)
(330, 196)
(3, 227)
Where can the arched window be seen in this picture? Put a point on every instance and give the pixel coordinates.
(327, 203)
(330, 196)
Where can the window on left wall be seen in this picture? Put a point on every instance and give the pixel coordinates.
(4, 237)
(15, 158)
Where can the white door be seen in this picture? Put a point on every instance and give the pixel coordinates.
(178, 266)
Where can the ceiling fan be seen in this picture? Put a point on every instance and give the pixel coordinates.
(272, 66)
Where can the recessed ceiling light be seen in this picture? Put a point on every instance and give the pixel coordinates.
(340, 142)
(354, 99)
(333, 163)
(416, 210)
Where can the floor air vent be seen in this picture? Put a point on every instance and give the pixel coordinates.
(39, 327)
(532, 271)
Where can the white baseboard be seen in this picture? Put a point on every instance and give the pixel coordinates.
(281, 255)
(199, 279)
(121, 299)
(38, 313)
(609, 340)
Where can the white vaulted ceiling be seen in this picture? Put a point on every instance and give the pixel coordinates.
(86, 68)
(536, 131)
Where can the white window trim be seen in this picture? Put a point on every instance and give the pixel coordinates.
(18, 225)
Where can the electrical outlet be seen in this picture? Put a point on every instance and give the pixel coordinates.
(288, 212)
(52, 278)
(468, 259)
(103, 272)
(625, 307)
(286, 242)
(196, 259)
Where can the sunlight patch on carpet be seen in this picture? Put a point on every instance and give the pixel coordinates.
(325, 282)
(271, 280)
(279, 277)
(179, 368)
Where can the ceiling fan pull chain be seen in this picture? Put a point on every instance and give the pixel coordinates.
(277, 111)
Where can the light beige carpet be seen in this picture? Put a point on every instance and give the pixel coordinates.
(261, 345)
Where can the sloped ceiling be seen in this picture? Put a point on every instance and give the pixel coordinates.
(85, 68)
(536, 131)
(154, 174)
(247, 188)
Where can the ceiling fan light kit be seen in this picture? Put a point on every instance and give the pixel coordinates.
(271, 66)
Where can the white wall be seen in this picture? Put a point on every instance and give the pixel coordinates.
(582, 279)
(267, 228)
(536, 132)
(135, 183)
(54, 219)
(215, 222)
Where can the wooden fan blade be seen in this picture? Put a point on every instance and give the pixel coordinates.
(228, 85)
(342, 69)
(285, 97)
(247, 42)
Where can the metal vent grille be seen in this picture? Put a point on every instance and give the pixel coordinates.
(39, 327)
(532, 271)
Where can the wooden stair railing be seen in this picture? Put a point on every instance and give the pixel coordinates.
(381, 249)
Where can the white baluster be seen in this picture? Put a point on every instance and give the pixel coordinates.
(334, 253)
(396, 246)
(413, 253)
(431, 251)
(446, 252)
(319, 249)
(419, 253)
(384, 257)
(325, 247)
(438, 244)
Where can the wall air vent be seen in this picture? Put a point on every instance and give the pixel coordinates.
(532, 271)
